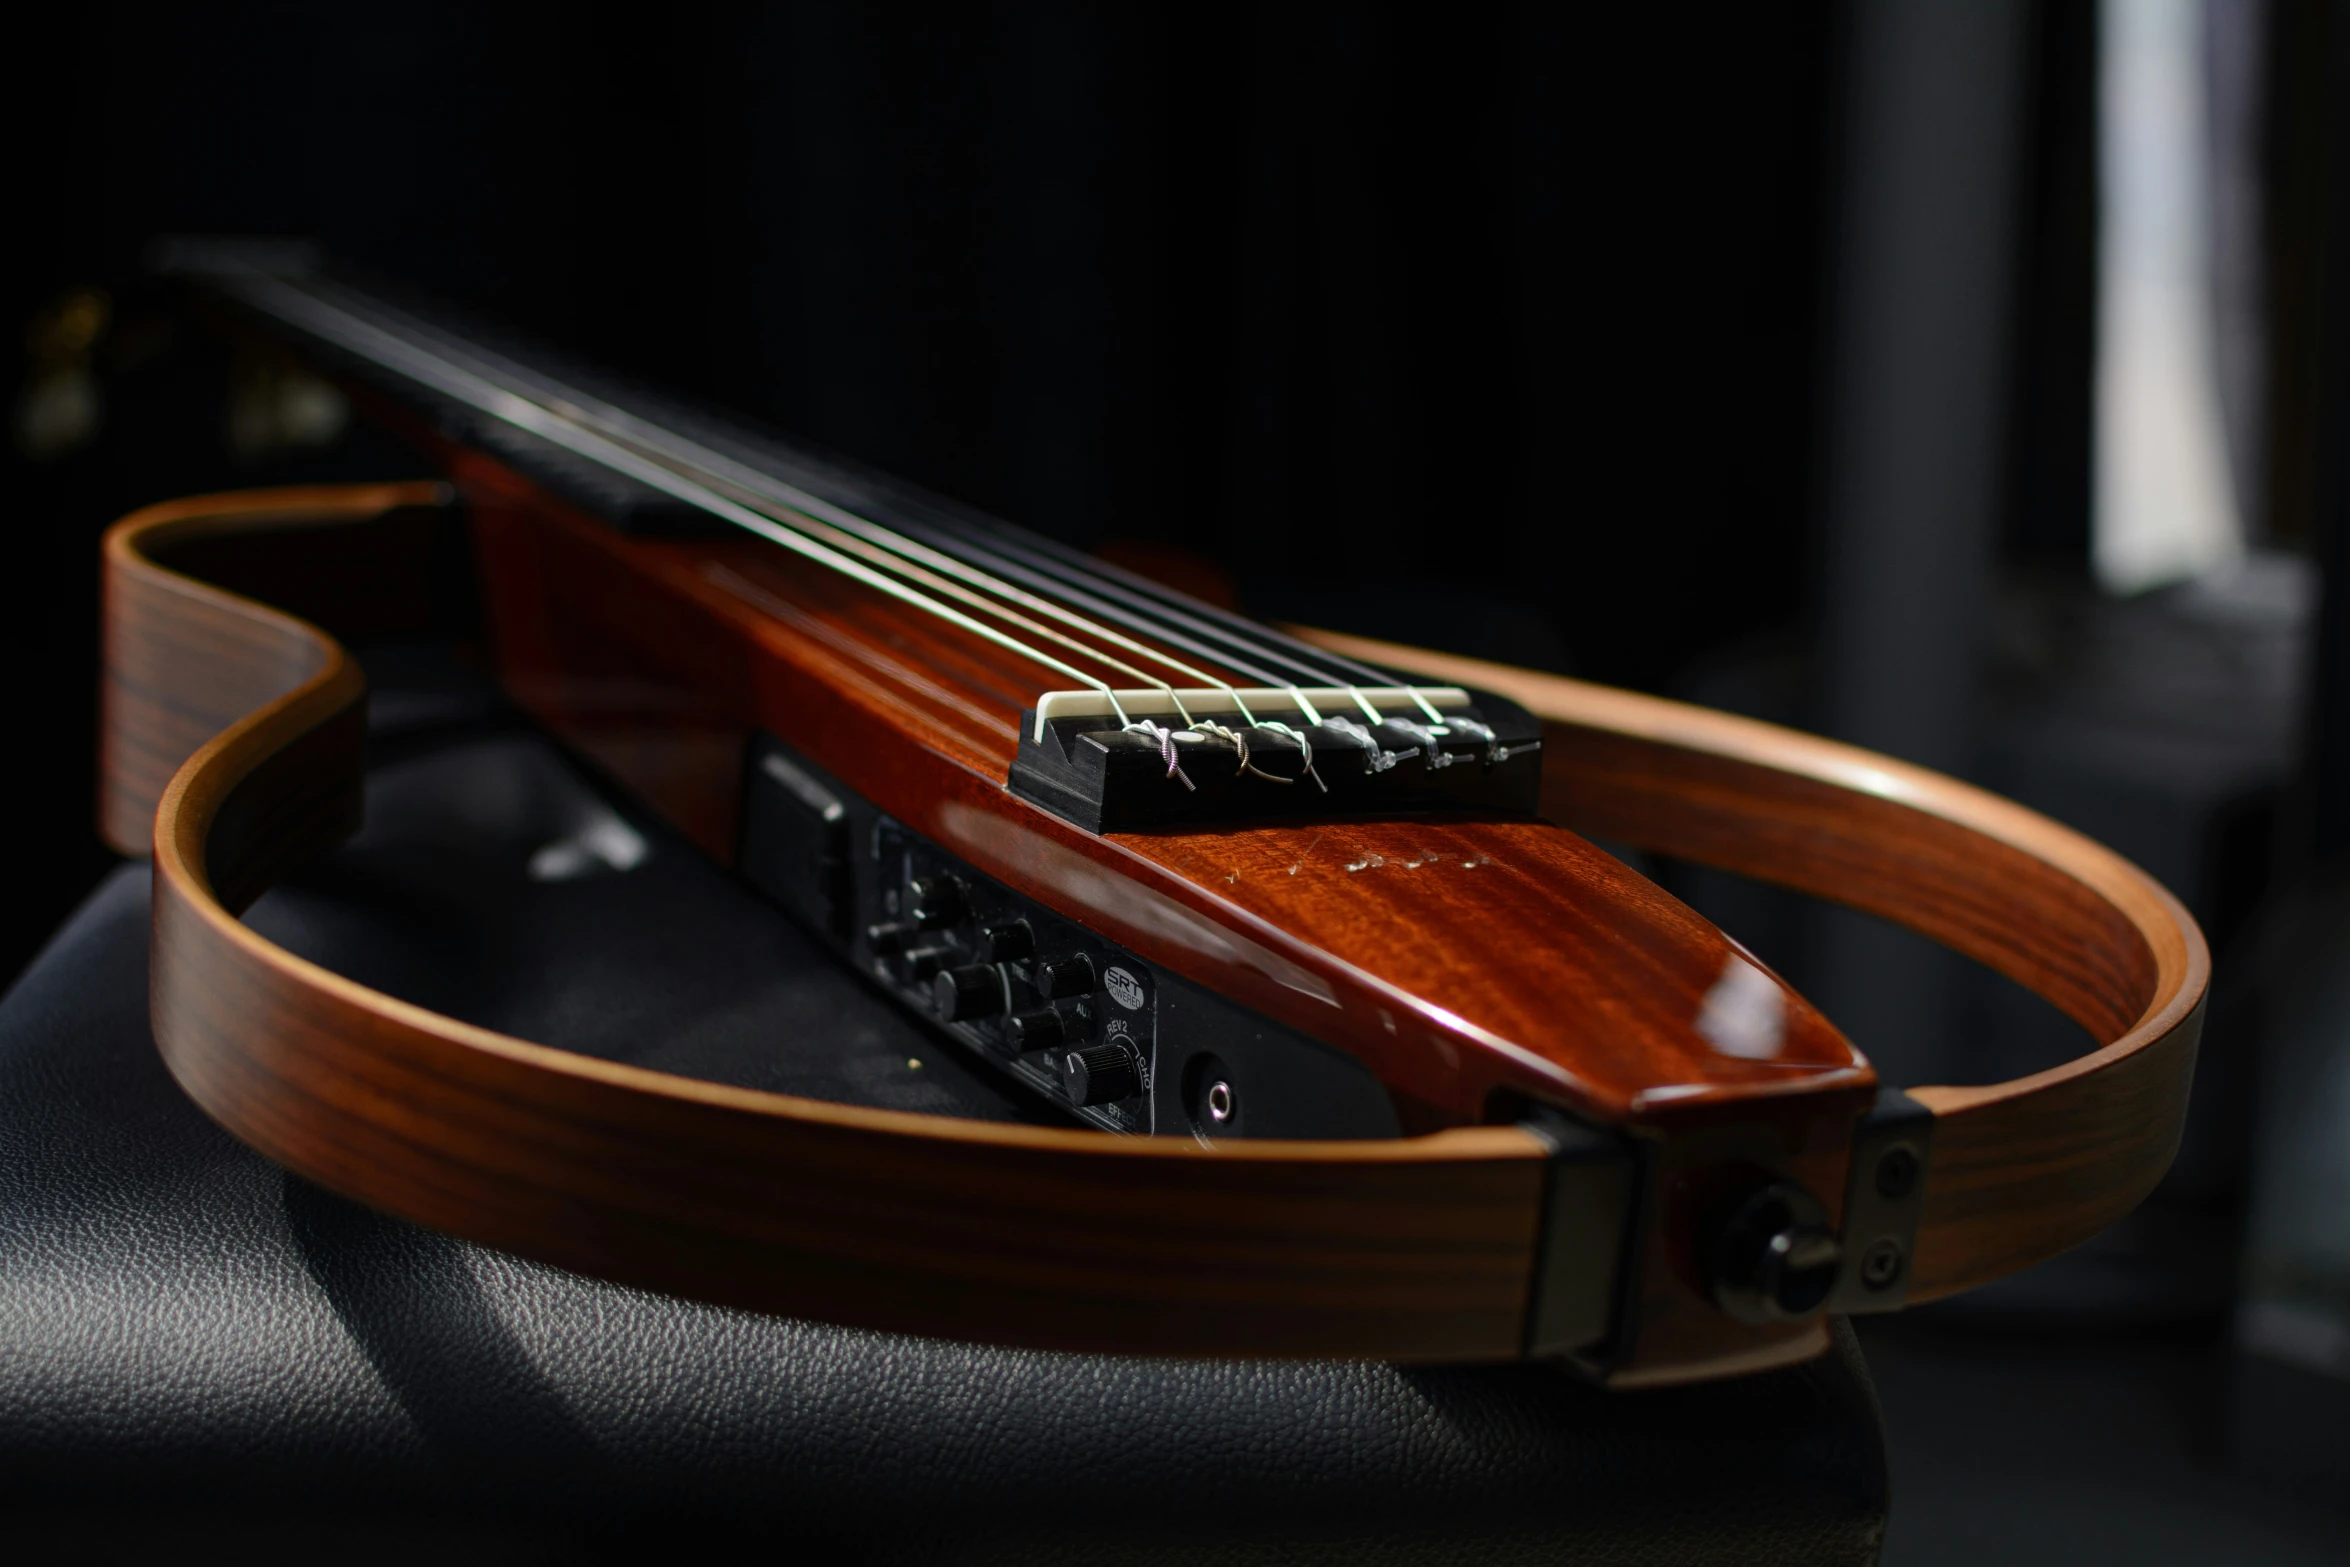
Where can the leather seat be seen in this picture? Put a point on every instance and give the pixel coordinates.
(191, 1340)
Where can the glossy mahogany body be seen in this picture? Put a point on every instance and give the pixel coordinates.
(1473, 965)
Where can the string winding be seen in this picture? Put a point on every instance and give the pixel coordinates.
(1238, 740)
(1302, 745)
(1166, 742)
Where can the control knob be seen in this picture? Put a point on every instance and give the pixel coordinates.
(1008, 942)
(1101, 1074)
(975, 990)
(1046, 1028)
(1064, 978)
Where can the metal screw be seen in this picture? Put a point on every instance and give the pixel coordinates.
(1880, 1265)
(1897, 1174)
(1221, 1103)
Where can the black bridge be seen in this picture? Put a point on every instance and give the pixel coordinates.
(1105, 777)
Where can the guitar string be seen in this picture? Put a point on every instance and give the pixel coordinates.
(1066, 567)
(874, 549)
(571, 402)
(1069, 565)
(1014, 568)
(802, 504)
(1378, 757)
(1237, 741)
(883, 539)
(877, 544)
(568, 402)
(1193, 610)
(485, 395)
(635, 429)
(956, 590)
(1156, 733)
(1160, 619)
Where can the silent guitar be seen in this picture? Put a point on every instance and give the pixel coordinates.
(1349, 1042)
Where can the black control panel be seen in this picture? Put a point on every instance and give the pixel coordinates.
(1060, 1009)
(1068, 1015)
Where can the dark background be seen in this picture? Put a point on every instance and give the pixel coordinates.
(1496, 331)
(1527, 331)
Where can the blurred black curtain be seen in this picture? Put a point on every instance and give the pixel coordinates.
(1486, 326)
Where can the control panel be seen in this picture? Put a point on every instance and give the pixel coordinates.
(1065, 1013)
(1059, 1008)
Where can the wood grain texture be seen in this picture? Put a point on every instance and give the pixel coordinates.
(180, 660)
(1415, 1249)
(2020, 1170)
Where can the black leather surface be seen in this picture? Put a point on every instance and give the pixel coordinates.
(193, 1343)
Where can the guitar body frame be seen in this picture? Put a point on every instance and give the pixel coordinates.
(1511, 1220)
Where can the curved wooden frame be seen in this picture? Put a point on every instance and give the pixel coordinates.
(1421, 1248)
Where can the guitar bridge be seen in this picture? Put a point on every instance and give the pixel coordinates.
(1130, 760)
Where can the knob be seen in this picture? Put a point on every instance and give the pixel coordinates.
(1045, 1028)
(1063, 978)
(1008, 942)
(933, 901)
(1100, 1074)
(1770, 1256)
(1038, 1030)
(972, 991)
(887, 940)
(923, 962)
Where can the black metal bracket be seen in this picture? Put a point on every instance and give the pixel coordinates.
(1588, 1259)
(1883, 1198)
